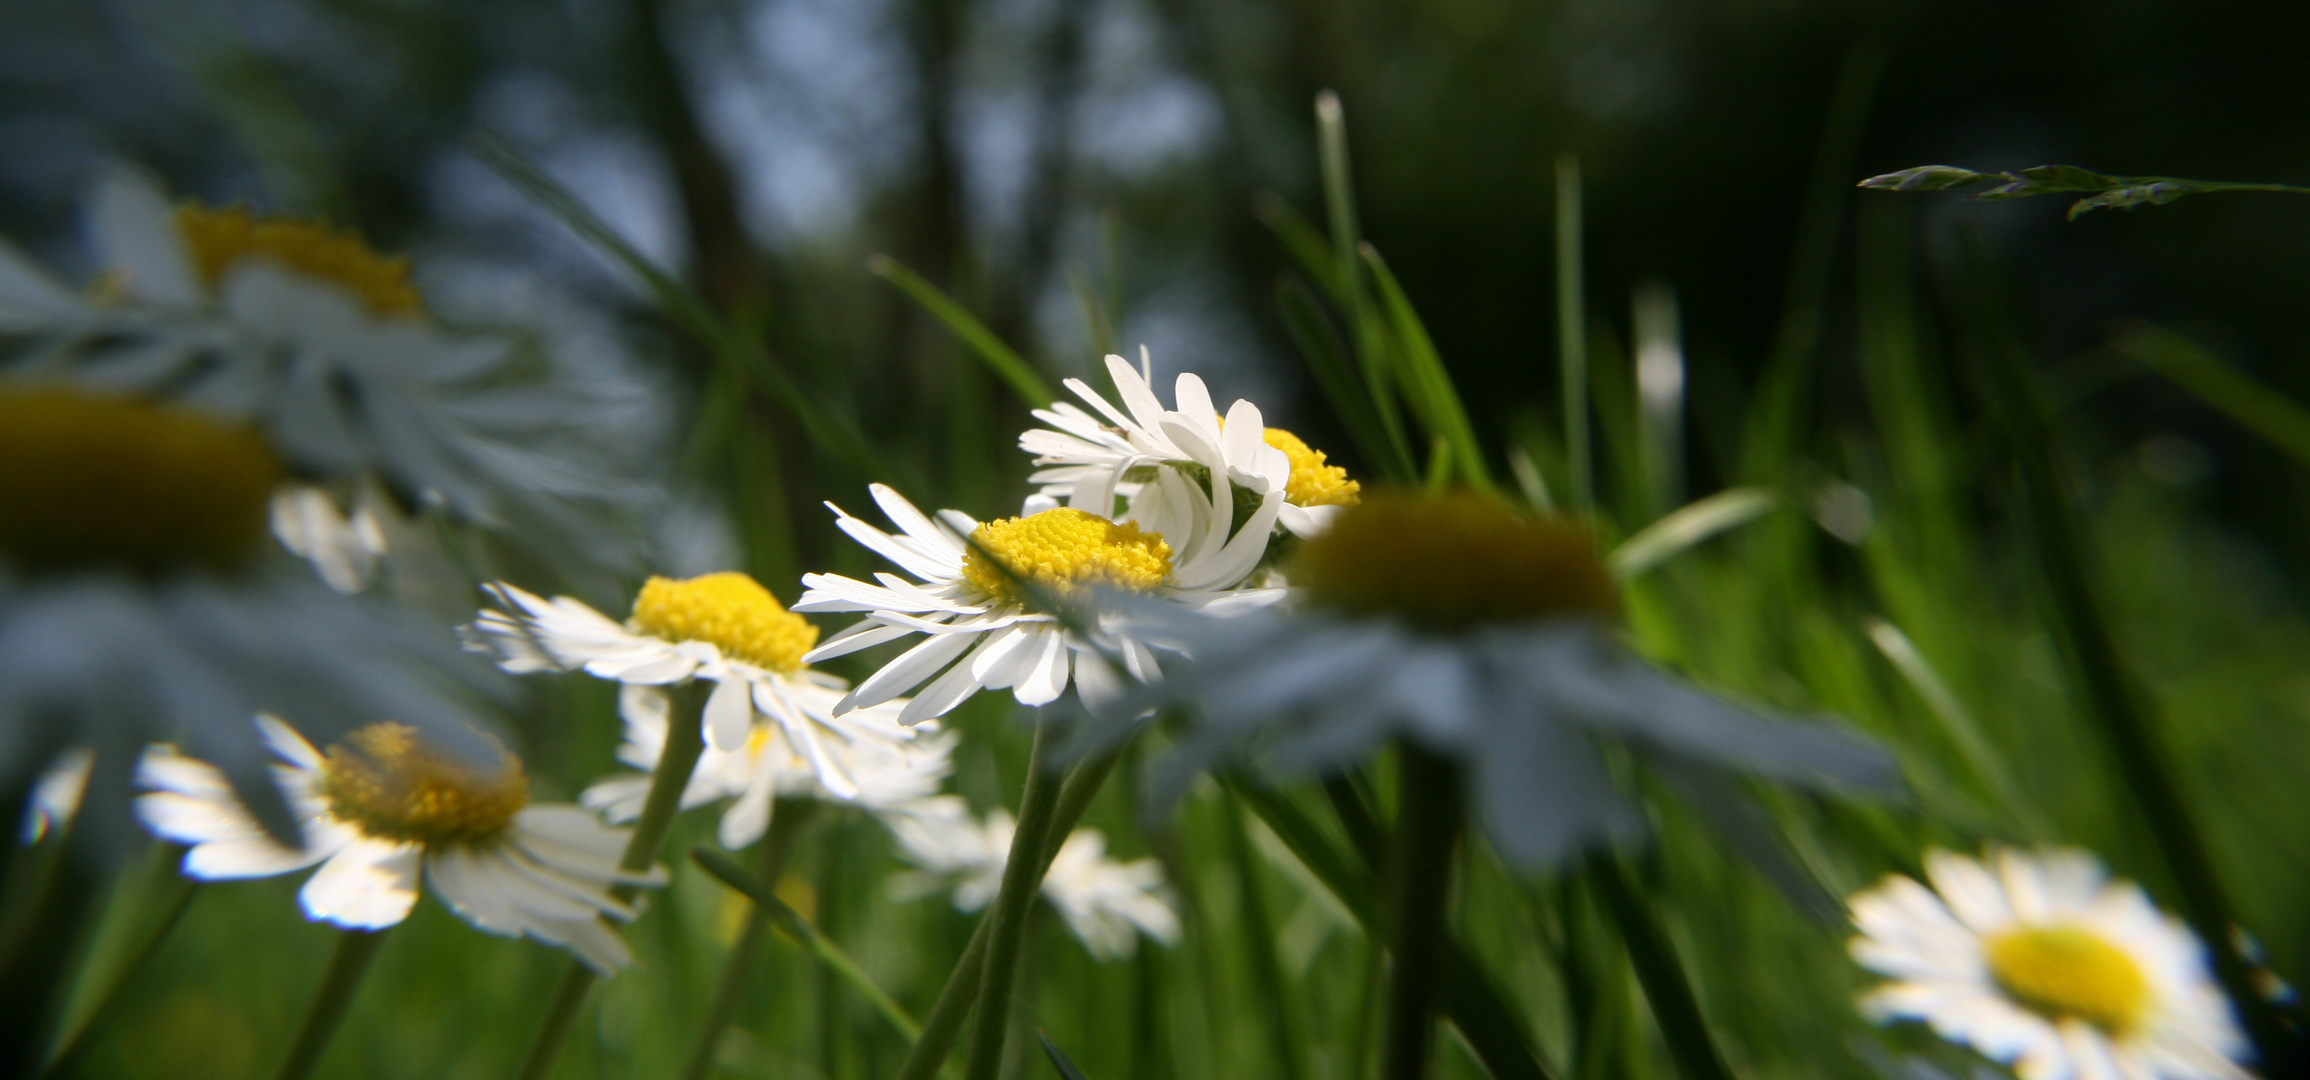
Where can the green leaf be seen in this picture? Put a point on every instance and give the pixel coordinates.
(1687, 528)
(2278, 419)
(1000, 358)
(1426, 384)
(1059, 1058)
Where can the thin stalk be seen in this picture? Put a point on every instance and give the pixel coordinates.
(67, 1053)
(685, 741)
(1572, 335)
(347, 964)
(1007, 933)
(1673, 1002)
(1419, 885)
(1340, 207)
(791, 923)
(1265, 965)
(955, 999)
(786, 825)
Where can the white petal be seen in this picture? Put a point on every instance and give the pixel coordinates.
(368, 886)
(729, 714)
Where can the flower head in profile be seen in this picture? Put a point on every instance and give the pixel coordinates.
(137, 603)
(722, 628)
(1107, 904)
(312, 337)
(1484, 636)
(1174, 467)
(984, 593)
(887, 763)
(384, 808)
(2043, 964)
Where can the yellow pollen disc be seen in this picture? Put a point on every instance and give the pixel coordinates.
(219, 240)
(384, 780)
(1313, 483)
(1452, 561)
(1064, 549)
(731, 610)
(2062, 971)
(89, 480)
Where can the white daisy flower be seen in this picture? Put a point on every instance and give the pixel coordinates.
(1483, 637)
(1106, 903)
(328, 347)
(889, 763)
(384, 808)
(136, 603)
(984, 632)
(2043, 964)
(724, 628)
(1160, 460)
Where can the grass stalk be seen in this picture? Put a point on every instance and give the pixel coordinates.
(1266, 965)
(685, 741)
(1007, 919)
(68, 1051)
(786, 826)
(1572, 336)
(1658, 973)
(1419, 885)
(348, 963)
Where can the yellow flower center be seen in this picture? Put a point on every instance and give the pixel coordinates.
(1450, 561)
(219, 240)
(88, 480)
(731, 610)
(384, 780)
(1062, 550)
(1313, 483)
(2063, 971)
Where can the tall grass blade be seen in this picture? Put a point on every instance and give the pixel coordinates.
(2256, 407)
(1424, 379)
(1572, 337)
(1688, 528)
(1059, 1059)
(999, 358)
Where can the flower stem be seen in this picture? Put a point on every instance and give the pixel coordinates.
(1007, 920)
(955, 999)
(786, 826)
(67, 1053)
(1673, 1003)
(347, 964)
(685, 741)
(1419, 885)
(1266, 967)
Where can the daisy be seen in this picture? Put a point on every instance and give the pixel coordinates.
(889, 763)
(723, 628)
(985, 632)
(1483, 637)
(1107, 904)
(327, 347)
(384, 808)
(1161, 460)
(2043, 964)
(141, 601)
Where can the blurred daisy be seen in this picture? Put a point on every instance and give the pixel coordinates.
(327, 346)
(2043, 964)
(1174, 467)
(724, 628)
(136, 604)
(984, 631)
(1484, 637)
(384, 808)
(1106, 903)
(888, 763)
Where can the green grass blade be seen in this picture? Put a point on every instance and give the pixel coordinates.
(1059, 1059)
(1005, 362)
(1426, 382)
(1572, 336)
(2256, 407)
(791, 923)
(1327, 359)
(1688, 528)
(1305, 243)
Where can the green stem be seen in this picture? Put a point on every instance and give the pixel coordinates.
(786, 824)
(1419, 885)
(347, 964)
(685, 741)
(1022, 883)
(1674, 1004)
(960, 993)
(1572, 334)
(1265, 965)
(68, 1052)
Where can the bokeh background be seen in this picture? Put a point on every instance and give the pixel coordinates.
(1091, 175)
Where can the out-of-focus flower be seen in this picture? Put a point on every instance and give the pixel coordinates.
(1482, 636)
(135, 606)
(888, 763)
(345, 549)
(1106, 903)
(984, 631)
(724, 628)
(384, 808)
(327, 347)
(57, 793)
(1175, 467)
(2043, 964)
